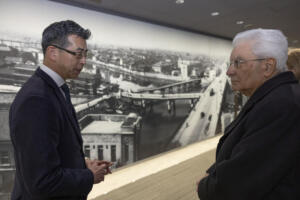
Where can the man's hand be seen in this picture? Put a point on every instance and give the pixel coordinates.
(200, 180)
(98, 168)
(108, 164)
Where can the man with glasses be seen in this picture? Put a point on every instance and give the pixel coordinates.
(258, 157)
(44, 130)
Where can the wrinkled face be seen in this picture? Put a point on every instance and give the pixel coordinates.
(71, 65)
(247, 75)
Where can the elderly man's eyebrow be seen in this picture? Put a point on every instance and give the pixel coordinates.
(239, 58)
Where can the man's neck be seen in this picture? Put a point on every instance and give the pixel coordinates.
(54, 75)
(53, 67)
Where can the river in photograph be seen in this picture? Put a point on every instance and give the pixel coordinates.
(159, 127)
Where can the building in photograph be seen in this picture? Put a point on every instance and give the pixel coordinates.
(111, 137)
(86, 83)
(7, 163)
(183, 66)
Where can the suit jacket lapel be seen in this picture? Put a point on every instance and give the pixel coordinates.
(70, 115)
(62, 100)
(240, 116)
(248, 106)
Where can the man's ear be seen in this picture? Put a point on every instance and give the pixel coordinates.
(270, 67)
(52, 53)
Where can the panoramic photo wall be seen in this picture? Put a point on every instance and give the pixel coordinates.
(145, 88)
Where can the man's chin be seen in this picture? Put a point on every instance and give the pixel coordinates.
(234, 88)
(74, 76)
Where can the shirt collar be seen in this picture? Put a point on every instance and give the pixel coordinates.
(55, 76)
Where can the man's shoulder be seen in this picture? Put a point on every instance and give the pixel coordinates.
(284, 98)
(287, 93)
(34, 86)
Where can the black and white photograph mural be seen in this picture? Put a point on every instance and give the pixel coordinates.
(145, 88)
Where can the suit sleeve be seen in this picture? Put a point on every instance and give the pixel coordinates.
(35, 133)
(266, 152)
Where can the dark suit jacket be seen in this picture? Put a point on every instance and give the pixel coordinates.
(47, 143)
(258, 157)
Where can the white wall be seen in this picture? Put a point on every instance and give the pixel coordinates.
(30, 17)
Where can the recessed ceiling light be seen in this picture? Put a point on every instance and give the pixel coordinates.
(214, 14)
(179, 1)
(240, 22)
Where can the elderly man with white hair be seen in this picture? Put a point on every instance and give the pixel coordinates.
(258, 157)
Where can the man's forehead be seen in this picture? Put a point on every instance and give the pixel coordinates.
(241, 49)
(77, 42)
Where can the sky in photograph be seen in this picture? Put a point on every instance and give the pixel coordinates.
(30, 17)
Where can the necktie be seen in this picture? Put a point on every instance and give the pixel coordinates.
(66, 90)
(70, 107)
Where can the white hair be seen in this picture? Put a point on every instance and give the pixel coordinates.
(266, 43)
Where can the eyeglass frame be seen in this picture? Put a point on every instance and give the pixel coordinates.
(237, 62)
(77, 54)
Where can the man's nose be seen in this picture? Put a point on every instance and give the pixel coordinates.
(230, 70)
(83, 60)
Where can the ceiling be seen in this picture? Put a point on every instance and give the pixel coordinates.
(196, 15)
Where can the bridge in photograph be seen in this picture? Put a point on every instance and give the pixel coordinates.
(171, 92)
(149, 96)
(183, 86)
(132, 75)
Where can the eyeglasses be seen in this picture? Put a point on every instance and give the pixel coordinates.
(238, 62)
(77, 54)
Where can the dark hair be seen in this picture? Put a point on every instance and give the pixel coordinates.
(58, 32)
